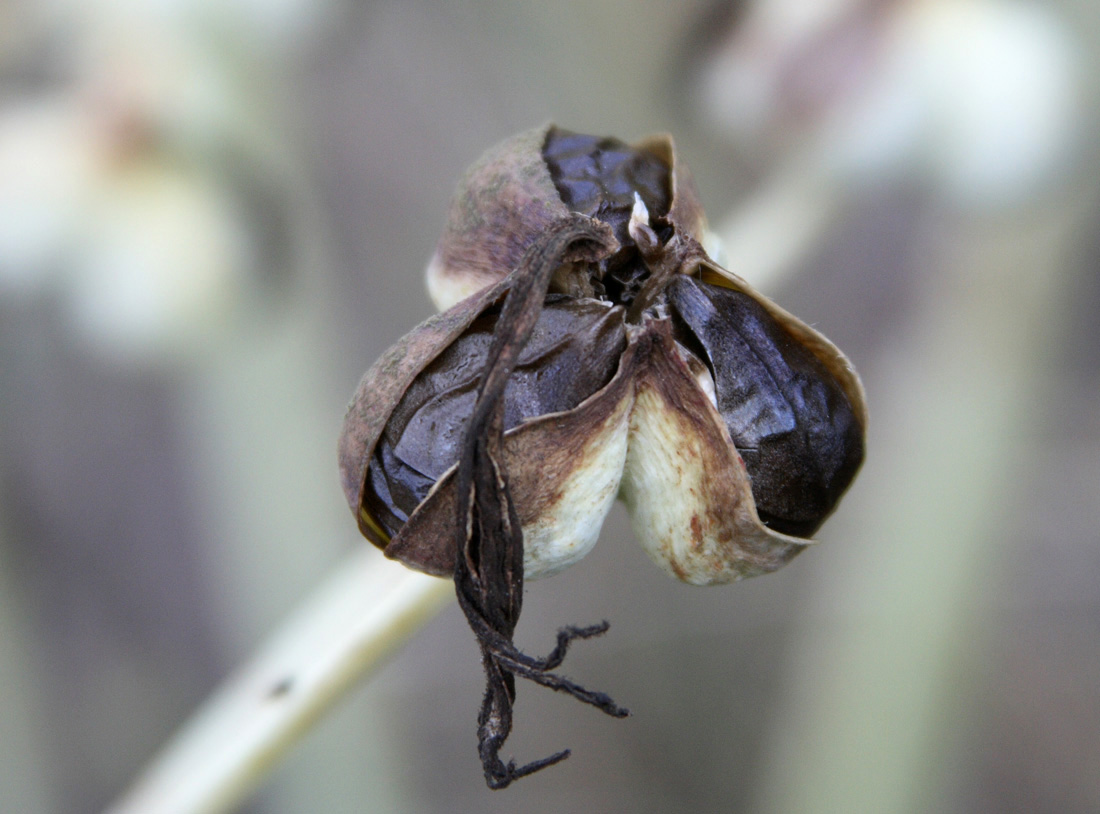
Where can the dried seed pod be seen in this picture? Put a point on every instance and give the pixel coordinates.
(776, 411)
(594, 350)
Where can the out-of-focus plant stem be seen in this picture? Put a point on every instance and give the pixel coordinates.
(366, 610)
(873, 667)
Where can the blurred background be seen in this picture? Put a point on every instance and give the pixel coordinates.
(215, 215)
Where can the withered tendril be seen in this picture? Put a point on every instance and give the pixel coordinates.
(489, 568)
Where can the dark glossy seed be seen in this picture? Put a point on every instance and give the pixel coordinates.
(599, 176)
(787, 415)
(573, 352)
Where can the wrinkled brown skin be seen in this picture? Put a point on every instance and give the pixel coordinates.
(573, 352)
(507, 199)
(827, 353)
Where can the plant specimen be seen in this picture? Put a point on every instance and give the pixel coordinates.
(590, 348)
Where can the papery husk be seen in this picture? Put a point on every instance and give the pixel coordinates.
(503, 203)
(685, 212)
(685, 486)
(564, 471)
(507, 199)
(563, 468)
(382, 387)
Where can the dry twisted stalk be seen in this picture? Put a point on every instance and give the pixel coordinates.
(489, 568)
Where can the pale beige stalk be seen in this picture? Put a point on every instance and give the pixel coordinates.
(368, 608)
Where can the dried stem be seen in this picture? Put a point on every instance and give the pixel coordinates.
(365, 611)
(489, 567)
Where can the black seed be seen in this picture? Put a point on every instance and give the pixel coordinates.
(788, 416)
(573, 352)
(598, 177)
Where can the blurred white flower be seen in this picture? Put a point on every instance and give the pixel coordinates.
(1002, 84)
(146, 253)
(127, 194)
(978, 99)
(46, 167)
(162, 262)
